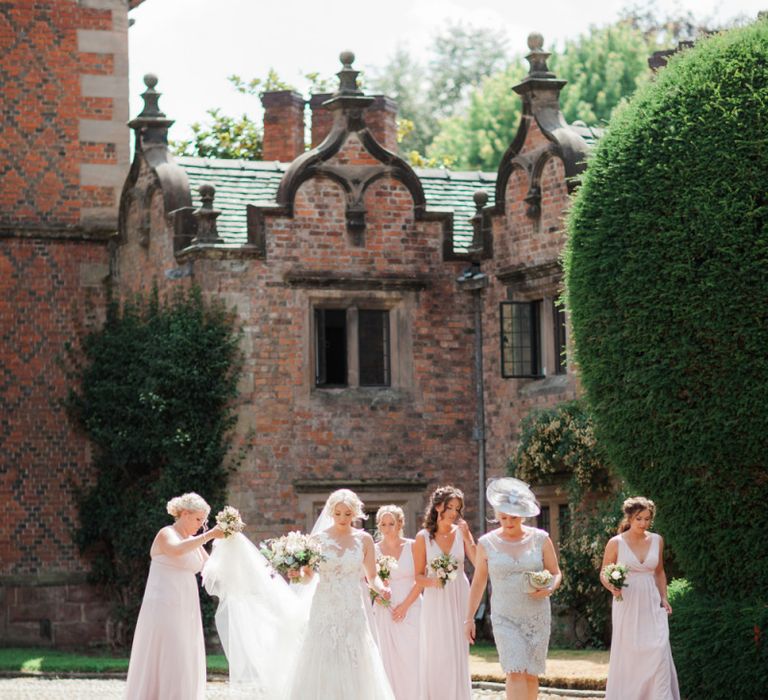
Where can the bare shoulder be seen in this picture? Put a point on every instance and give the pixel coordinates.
(365, 537)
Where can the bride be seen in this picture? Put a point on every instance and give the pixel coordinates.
(301, 642)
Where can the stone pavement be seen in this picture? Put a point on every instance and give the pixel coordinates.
(88, 689)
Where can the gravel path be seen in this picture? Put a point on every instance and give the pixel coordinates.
(79, 689)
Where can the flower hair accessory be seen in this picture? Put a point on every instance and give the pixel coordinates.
(513, 497)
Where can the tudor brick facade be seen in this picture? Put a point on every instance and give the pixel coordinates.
(346, 227)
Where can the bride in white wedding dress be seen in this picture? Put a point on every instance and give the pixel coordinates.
(282, 646)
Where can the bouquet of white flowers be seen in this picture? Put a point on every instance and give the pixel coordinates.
(446, 568)
(616, 575)
(229, 521)
(537, 580)
(289, 554)
(385, 565)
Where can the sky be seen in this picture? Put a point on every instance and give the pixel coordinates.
(193, 45)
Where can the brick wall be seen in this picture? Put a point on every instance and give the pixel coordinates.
(64, 147)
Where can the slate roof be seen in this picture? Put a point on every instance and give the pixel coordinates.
(241, 182)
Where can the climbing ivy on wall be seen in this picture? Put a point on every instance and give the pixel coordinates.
(154, 394)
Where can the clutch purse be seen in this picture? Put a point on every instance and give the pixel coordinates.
(536, 580)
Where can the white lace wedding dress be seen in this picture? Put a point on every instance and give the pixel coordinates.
(295, 642)
(339, 658)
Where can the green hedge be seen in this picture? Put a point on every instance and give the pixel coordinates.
(667, 278)
(154, 396)
(720, 647)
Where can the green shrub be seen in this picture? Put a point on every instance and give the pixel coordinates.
(154, 396)
(668, 296)
(558, 445)
(720, 647)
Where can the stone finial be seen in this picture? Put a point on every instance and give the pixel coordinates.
(481, 199)
(206, 217)
(348, 75)
(537, 58)
(151, 96)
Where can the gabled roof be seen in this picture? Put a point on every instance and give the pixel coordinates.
(242, 182)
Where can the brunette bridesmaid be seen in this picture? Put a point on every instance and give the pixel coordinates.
(444, 649)
(641, 665)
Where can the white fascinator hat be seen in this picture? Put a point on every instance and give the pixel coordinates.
(513, 497)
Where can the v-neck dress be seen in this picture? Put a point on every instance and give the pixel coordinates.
(641, 666)
(399, 641)
(444, 647)
(521, 624)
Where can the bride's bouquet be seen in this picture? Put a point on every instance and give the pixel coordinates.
(446, 568)
(537, 580)
(616, 575)
(229, 521)
(289, 554)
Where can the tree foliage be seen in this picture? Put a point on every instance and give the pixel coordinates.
(666, 269)
(154, 397)
(225, 136)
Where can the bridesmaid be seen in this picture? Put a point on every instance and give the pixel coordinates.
(444, 648)
(398, 625)
(168, 652)
(640, 666)
(521, 618)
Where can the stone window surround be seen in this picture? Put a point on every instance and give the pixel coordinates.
(399, 304)
(553, 496)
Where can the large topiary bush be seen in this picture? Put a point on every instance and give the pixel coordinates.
(154, 394)
(667, 277)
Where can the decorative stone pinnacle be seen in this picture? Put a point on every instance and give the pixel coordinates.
(537, 58)
(151, 96)
(481, 199)
(348, 75)
(206, 217)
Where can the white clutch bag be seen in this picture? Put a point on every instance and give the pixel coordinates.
(537, 580)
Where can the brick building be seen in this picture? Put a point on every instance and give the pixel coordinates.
(398, 323)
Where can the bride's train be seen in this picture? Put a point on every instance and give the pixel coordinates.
(260, 621)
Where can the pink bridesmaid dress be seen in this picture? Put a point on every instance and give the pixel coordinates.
(399, 641)
(168, 652)
(444, 648)
(641, 666)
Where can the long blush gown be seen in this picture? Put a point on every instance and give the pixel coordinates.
(168, 652)
(641, 666)
(444, 647)
(399, 641)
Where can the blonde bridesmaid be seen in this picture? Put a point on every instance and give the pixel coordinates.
(444, 649)
(641, 665)
(399, 624)
(168, 651)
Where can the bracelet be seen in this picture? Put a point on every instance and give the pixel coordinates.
(467, 621)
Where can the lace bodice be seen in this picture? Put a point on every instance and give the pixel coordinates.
(338, 598)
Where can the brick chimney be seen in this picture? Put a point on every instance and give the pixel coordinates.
(283, 125)
(322, 118)
(381, 120)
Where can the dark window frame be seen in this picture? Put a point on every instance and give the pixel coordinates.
(354, 341)
(534, 369)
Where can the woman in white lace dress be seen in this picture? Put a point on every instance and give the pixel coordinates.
(339, 659)
(520, 616)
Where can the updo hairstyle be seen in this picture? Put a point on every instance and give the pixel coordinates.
(395, 511)
(631, 507)
(187, 501)
(348, 498)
